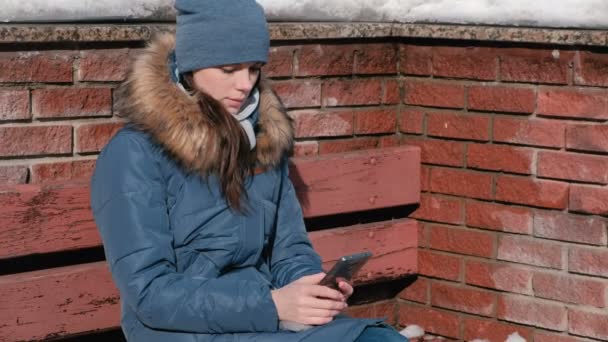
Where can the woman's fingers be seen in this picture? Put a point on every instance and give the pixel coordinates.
(312, 279)
(326, 292)
(325, 304)
(345, 288)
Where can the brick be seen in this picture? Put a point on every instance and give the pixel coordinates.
(375, 121)
(10, 175)
(35, 140)
(481, 329)
(298, 94)
(462, 241)
(461, 183)
(376, 59)
(306, 149)
(540, 336)
(356, 92)
(280, 61)
(14, 104)
(572, 166)
(592, 138)
(588, 323)
(531, 311)
(93, 137)
(590, 69)
(392, 92)
(591, 261)
(325, 60)
(570, 289)
(463, 299)
(439, 209)
(478, 63)
(415, 59)
(502, 277)
(444, 266)
(434, 321)
(571, 228)
(585, 104)
(505, 218)
(72, 102)
(104, 65)
(389, 141)
(529, 251)
(336, 146)
(535, 66)
(417, 291)
(425, 178)
(314, 123)
(422, 236)
(434, 94)
(411, 121)
(36, 66)
(502, 99)
(500, 158)
(543, 133)
(440, 152)
(64, 171)
(458, 126)
(587, 199)
(528, 191)
(385, 309)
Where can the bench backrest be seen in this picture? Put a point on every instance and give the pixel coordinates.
(48, 219)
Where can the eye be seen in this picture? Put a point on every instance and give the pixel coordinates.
(229, 69)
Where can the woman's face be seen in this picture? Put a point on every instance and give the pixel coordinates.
(228, 84)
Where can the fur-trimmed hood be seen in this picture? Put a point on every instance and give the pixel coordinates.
(153, 103)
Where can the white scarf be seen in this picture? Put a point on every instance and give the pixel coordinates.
(247, 109)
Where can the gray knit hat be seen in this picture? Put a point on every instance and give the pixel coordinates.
(218, 32)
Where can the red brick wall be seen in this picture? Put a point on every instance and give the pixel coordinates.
(514, 147)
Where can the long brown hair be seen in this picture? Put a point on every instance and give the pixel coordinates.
(233, 144)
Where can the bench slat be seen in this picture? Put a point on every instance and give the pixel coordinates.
(77, 299)
(363, 180)
(50, 218)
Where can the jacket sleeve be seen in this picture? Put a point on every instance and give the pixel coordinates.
(292, 255)
(129, 206)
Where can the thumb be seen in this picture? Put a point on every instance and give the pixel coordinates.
(312, 279)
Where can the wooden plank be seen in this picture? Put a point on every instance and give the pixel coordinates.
(50, 218)
(42, 219)
(57, 302)
(393, 245)
(77, 299)
(362, 180)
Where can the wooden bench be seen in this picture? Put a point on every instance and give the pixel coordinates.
(43, 228)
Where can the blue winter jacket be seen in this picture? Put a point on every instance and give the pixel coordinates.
(189, 268)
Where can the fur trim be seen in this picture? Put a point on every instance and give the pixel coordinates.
(150, 100)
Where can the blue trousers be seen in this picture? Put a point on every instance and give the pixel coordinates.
(380, 334)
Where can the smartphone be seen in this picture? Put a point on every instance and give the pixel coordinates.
(345, 269)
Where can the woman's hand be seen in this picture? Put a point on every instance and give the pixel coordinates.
(346, 288)
(304, 301)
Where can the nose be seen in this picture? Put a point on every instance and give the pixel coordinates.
(244, 80)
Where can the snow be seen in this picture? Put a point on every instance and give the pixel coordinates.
(71, 10)
(563, 13)
(544, 13)
(412, 331)
(514, 337)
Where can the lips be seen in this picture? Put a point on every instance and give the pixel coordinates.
(235, 102)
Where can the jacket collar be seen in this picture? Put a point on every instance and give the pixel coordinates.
(153, 103)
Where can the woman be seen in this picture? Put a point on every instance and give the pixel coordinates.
(201, 227)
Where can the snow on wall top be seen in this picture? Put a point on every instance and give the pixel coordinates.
(538, 13)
